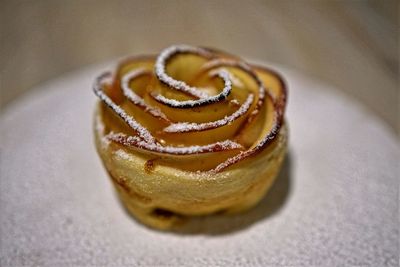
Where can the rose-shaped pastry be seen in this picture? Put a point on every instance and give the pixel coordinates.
(192, 131)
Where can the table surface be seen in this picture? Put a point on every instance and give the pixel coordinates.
(335, 202)
(350, 44)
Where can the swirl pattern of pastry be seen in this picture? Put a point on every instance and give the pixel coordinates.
(232, 111)
(192, 110)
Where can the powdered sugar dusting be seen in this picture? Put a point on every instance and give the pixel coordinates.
(137, 127)
(146, 141)
(202, 101)
(235, 102)
(243, 66)
(235, 81)
(122, 154)
(248, 69)
(244, 154)
(191, 127)
(134, 141)
(134, 98)
(163, 58)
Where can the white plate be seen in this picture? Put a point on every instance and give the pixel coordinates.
(334, 204)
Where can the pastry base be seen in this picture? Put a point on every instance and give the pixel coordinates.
(166, 197)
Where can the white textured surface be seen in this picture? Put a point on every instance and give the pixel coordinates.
(334, 204)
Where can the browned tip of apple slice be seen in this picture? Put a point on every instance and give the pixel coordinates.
(265, 141)
(277, 87)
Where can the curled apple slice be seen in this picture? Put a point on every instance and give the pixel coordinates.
(276, 86)
(182, 127)
(136, 99)
(136, 142)
(180, 85)
(139, 129)
(207, 113)
(191, 158)
(204, 99)
(198, 102)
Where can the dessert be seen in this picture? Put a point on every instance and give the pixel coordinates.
(192, 131)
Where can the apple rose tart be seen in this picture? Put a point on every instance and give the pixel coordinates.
(192, 131)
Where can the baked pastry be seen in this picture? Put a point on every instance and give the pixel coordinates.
(189, 132)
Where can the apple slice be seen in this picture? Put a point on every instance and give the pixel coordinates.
(274, 83)
(189, 70)
(257, 135)
(177, 64)
(191, 158)
(207, 113)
